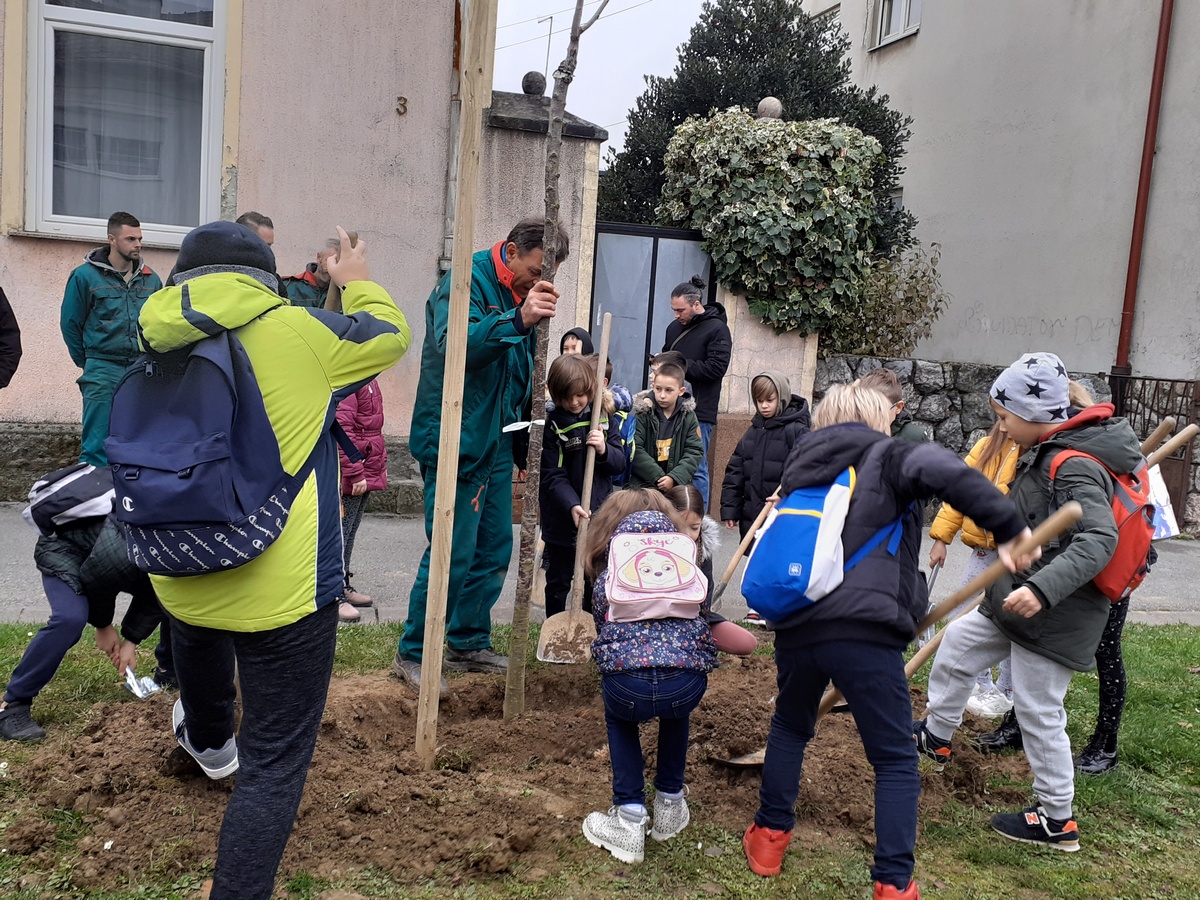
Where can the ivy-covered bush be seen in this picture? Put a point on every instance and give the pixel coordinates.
(786, 210)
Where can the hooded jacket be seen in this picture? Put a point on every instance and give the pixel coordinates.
(651, 643)
(905, 427)
(564, 459)
(361, 416)
(303, 289)
(10, 341)
(883, 598)
(683, 455)
(585, 341)
(706, 344)
(305, 362)
(1000, 472)
(499, 365)
(1069, 627)
(99, 315)
(756, 466)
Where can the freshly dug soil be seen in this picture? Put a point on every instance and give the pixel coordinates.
(503, 793)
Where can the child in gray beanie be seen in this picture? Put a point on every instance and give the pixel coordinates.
(1050, 617)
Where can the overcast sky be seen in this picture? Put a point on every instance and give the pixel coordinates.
(631, 39)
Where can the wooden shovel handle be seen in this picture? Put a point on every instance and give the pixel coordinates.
(1165, 427)
(741, 550)
(1172, 445)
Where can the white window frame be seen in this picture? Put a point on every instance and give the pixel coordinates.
(44, 20)
(882, 40)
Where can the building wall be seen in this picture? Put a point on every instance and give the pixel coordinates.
(1027, 136)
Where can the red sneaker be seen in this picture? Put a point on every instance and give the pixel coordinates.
(765, 848)
(887, 892)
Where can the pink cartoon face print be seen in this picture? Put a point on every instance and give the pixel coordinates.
(658, 569)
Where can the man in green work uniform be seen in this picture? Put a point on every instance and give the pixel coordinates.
(99, 323)
(508, 300)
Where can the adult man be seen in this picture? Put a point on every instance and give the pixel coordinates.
(99, 323)
(508, 299)
(260, 225)
(309, 288)
(701, 335)
(10, 341)
(276, 615)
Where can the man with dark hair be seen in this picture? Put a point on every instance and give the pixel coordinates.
(99, 323)
(508, 300)
(309, 288)
(701, 334)
(260, 225)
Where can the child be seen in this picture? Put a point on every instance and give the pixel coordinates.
(756, 465)
(1051, 619)
(361, 415)
(996, 457)
(903, 425)
(84, 566)
(649, 669)
(577, 340)
(571, 382)
(689, 504)
(857, 634)
(667, 446)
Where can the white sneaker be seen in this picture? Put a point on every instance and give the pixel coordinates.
(619, 831)
(218, 762)
(990, 704)
(671, 815)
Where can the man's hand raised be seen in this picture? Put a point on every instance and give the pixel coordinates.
(539, 304)
(350, 264)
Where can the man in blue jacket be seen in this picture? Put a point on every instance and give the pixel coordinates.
(99, 323)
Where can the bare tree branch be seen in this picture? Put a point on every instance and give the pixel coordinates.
(595, 16)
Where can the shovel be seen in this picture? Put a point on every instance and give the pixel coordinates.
(927, 635)
(567, 636)
(741, 551)
(1058, 522)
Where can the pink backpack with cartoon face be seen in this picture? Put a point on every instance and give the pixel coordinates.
(653, 576)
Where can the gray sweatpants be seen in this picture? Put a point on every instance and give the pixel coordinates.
(973, 643)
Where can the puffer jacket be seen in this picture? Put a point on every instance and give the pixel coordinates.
(1069, 628)
(905, 427)
(99, 315)
(882, 599)
(92, 558)
(1000, 472)
(305, 361)
(685, 452)
(361, 416)
(706, 344)
(651, 643)
(756, 466)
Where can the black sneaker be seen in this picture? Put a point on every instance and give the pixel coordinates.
(1096, 759)
(1033, 826)
(1006, 737)
(165, 680)
(16, 724)
(930, 746)
(486, 660)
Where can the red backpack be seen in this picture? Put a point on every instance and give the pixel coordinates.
(1134, 514)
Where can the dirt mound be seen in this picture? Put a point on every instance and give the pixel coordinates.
(503, 792)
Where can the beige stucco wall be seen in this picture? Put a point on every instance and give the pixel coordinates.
(1027, 136)
(314, 141)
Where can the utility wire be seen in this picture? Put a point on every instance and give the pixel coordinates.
(555, 13)
(542, 37)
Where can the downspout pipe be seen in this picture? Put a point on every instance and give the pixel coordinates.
(1125, 338)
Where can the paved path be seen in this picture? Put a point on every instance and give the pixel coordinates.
(388, 550)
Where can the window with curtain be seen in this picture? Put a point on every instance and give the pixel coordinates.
(126, 116)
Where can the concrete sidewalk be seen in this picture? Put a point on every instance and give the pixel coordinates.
(388, 550)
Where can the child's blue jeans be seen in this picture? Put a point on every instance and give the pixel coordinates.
(871, 678)
(43, 656)
(668, 695)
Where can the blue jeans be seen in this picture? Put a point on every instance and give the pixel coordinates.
(871, 677)
(700, 479)
(68, 616)
(668, 695)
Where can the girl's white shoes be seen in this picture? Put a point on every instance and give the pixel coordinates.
(622, 830)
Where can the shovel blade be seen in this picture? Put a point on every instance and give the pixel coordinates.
(567, 638)
(752, 760)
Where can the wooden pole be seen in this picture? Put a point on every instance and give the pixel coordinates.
(475, 92)
(741, 551)
(1165, 427)
(514, 687)
(1172, 445)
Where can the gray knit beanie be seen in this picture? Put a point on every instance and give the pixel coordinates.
(1034, 388)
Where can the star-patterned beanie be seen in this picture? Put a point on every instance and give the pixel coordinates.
(1034, 388)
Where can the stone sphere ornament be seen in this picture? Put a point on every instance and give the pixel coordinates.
(768, 107)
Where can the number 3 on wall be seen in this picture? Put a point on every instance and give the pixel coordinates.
(401, 105)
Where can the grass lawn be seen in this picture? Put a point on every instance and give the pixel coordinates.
(1140, 825)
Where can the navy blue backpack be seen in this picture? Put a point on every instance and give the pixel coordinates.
(195, 461)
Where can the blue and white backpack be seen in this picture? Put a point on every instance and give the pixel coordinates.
(798, 557)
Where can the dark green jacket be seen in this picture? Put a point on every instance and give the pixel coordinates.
(499, 363)
(683, 457)
(100, 310)
(1069, 627)
(303, 290)
(905, 427)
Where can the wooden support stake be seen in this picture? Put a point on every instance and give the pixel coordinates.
(475, 93)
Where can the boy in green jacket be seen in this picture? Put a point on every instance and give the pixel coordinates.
(667, 445)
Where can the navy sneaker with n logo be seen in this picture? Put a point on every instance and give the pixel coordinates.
(1033, 826)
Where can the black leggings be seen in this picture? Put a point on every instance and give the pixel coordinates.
(1110, 666)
